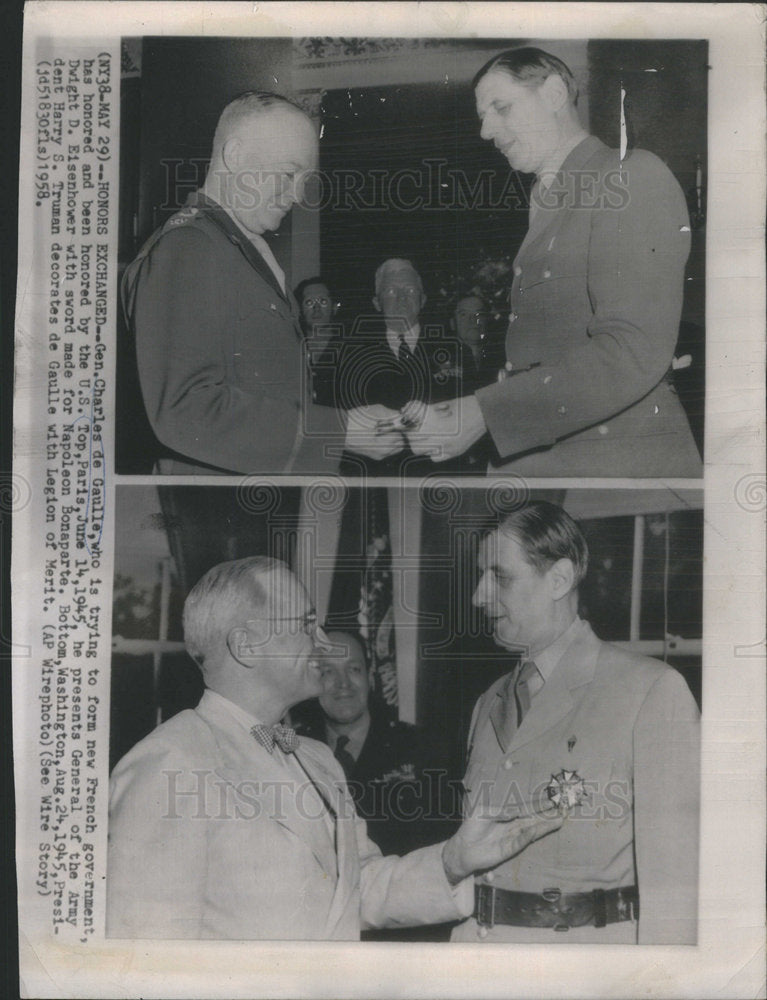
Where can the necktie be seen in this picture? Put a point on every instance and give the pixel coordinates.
(343, 756)
(283, 736)
(527, 671)
(404, 353)
(512, 703)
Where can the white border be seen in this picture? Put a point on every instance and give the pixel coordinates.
(729, 960)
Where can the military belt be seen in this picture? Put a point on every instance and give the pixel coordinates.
(553, 908)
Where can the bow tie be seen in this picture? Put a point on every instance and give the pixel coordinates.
(283, 736)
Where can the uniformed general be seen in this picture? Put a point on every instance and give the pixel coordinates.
(596, 298)
(217, 332)
(608, 735)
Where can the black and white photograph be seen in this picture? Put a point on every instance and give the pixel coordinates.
(413, 256)
(388, 501)
(549, 651)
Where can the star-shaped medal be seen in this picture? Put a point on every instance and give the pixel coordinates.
(566, 789)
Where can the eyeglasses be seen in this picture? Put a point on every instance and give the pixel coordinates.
(311, 303)
(308, 622)
(395, 290)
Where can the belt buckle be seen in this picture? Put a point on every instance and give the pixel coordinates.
(486, 906)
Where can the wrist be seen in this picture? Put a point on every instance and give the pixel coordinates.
(452, 872)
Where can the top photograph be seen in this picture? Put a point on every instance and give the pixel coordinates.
(412, 257)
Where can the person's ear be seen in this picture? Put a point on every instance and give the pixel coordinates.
(554, 92)
(336, 307)
(240, 645)
(561, 576)
(377, 303)
(231, 153)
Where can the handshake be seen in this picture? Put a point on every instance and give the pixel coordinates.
(438, 431)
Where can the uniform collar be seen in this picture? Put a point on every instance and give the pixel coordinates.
(549, 658)
(218, 215)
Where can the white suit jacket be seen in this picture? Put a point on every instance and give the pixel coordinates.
(210, 837)
(629, 727)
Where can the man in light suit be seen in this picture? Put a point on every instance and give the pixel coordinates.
(609, 735)
(219, 347)
(224, 825)
(595, 302)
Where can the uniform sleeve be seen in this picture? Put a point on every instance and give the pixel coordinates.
(179, 318)
(634, 274)
(156, 857)
(408, 891)
(667, 812)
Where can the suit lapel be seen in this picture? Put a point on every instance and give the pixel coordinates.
(548, 219)
(347, 855)
(247, 765)
(558, 698)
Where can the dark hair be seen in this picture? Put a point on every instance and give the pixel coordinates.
(530, 66)
(303, 285)
(547, 533)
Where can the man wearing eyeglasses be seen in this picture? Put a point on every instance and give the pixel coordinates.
(223, 824)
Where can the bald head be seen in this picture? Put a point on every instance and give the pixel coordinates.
(263, 149)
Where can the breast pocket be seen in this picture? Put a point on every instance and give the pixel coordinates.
(266, 350)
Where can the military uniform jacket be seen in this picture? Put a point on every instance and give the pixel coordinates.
(209, 837)
(595, 309)
(628, 726)
(219, 350)
(404, 806)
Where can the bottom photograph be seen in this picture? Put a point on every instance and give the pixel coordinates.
(414, 714)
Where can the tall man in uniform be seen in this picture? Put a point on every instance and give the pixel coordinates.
(608, 735)
(224, 824)
(595, 302)
(217, 332)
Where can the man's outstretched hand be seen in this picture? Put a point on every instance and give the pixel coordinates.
(482, 843)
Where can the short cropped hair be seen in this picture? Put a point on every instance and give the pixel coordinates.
(209, 603)
(246, 106)
(530, 67)
(346, 634)
(394, 264)
(546, 534)
(303, 285)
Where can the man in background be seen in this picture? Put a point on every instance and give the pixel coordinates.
(381, 368)
(319, 308)
(397, 780)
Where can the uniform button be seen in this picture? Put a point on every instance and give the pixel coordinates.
(508, 764)
(490, 878)
(272, 306)
(656, 409)
(561, 410)
(482, 933)
(603, 429)
(547, 379)
(547, 273)
(517, 270)
(513, 317)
